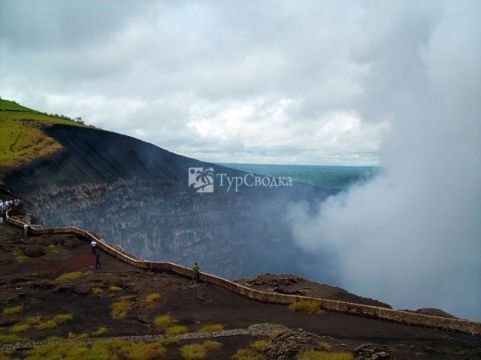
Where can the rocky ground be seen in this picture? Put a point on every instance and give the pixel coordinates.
(51, 292)
(295, 285)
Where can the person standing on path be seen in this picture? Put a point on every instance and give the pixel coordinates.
(195, 272)
(93, 244)
(97, 262)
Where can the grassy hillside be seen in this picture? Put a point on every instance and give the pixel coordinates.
(21, 134)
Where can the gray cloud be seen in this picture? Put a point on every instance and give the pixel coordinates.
(65, 56)
(412, 236)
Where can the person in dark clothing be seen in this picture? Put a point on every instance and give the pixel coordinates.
(195, 272)
(97, 262)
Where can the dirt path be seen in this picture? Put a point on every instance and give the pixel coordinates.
(33, 284)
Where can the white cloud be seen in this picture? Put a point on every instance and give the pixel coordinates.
(153, 69)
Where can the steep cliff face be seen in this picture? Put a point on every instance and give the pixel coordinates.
(136, 195)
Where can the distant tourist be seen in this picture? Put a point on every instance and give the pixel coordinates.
(97, 262)
(195, 272)
(93, 245)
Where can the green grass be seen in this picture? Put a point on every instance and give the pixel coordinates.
(22, 138)
(71, 276)
(321, 355)
(193, 352)
(58, 351)
(33, 320)
(11, 339)
(103, 330)
(164, 321)
(199, 351)
(247, 354)
(53, 249)
(12, 310)
(260, 345)
(152, 298)
(99, 350)
(21, 259)
(121, 308)
(47, 325)
(6, 353)
(6, 105)
(122, 349)
(176, 330)
(212, 345)
(97, 290)
(20, 328)
(211, 328)
(308, 306)
(54, 322)
(62, 318)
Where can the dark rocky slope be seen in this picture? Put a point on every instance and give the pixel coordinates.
(136, 195)
(295, 285)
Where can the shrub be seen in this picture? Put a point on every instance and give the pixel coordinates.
(260, 345)
(53, 249)
(142, 351)
(176, 330)
(121, 308)
(115, 288)
(247, 354)
(52, 323)
(169, 341)
(11, 339)
(21, 258)
(114, 349)
(17, 309)
(97, 290)
(164, 321)
(212, 345)
(152, 298)
(211, 328)
(55, 338)
(6, 353)
(101, 331)
(62, 318)
(199, 351)
(58, 351)
(193, 352)
(20, 328)
(325, 346)
(46, 325)
(308, 306)
(70, 276)
(33, 320)
(321, 355)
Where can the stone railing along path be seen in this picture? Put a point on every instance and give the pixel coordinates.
(403, 317)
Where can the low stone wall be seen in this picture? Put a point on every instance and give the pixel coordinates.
(408, 318)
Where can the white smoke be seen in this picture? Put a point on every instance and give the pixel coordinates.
(412, 236)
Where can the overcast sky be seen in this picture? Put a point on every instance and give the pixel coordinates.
(237, 81)
(224, 81)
